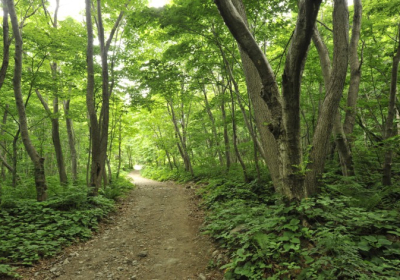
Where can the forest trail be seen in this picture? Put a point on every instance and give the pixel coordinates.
(155, 236)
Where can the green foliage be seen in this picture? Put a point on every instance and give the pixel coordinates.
(6, 270)
(118, 188)
(30, 230)
(319, 238)
(166, 174)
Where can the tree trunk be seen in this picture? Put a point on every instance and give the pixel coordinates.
(3, 160)
(55, 131)
(355, 72)
(109, 173)
(6, 44)
(99, 128)
(97, 159)
(71, 141)
(39, 174)
(291, 176)
(119, 147)
(262, 113)
(236, 87)
(334, 92)
(4, 143)
(15, 159)
(389, 126)
(345, 156)
(226, 136)
(239, 157)
(213, 127)
(181, 138)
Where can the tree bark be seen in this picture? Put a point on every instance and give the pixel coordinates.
(55, 131)
(236, 87)
(119, 146)
(99, 128)
(291, 176)
(15, 158)
(355, 72)
(239, 157)
(97, 165)
(213, 127)
(6, 44)
(39, 173)
(3, 142)
(345, 155)
(334, 92)
(71, 141)
(182, 145)
(226, 136)
(389, 125)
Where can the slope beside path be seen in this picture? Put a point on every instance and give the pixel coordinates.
(155, 236)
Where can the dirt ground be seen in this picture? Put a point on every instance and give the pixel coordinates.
(154, 236)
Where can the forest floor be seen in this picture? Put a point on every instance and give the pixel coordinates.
(154, 235)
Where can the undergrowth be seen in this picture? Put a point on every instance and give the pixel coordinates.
(201, 173)
(31, 230)
(319, 238)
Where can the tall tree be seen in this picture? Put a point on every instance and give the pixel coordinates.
(291, 176)
(55, 125)
(38, 161)
(55, 133)
(355, 71)
(99, 128)
(71, 141)
(6, 44)
(389, 126)
(345, 156)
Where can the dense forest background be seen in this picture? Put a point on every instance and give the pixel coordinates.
(289, 117)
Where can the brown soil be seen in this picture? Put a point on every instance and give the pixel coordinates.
(155, 235)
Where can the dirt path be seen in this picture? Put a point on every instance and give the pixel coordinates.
(155, 236)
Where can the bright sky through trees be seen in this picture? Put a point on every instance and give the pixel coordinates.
(73, 8)
(157, 3)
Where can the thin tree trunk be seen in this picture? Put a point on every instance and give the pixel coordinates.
(109, 181)
(213, 127)
(6, 44)
(226, 136)
(96, 164)
(39, 173)
(236, 87)
(88, 169)
(119, 146)
(4, 143)
(71, 141)
(15, 159)
(345, 156)
(55, 130)
(181, 138)
(389, 126)
(355, 72)
(99, 128)
(239, 157)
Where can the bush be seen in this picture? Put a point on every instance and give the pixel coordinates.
(119, 187)
(319, 238)
(31, 230)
